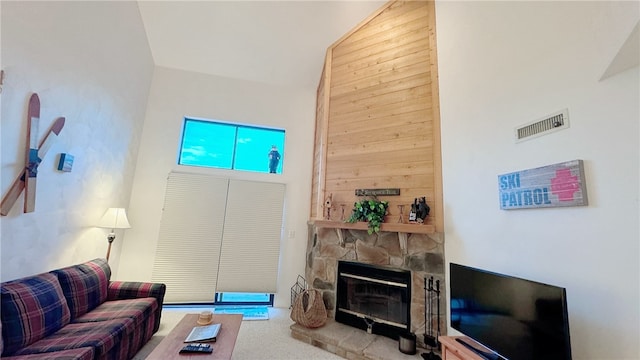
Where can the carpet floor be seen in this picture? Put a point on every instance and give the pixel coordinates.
(266, 340)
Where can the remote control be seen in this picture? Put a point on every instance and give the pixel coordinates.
(197, 348)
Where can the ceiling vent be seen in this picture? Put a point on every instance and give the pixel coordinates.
(548, 124)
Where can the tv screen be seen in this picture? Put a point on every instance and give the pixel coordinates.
(518, 319)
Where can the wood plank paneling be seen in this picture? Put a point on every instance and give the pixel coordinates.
(388, 157)
(365, 91)
(391, 20)
(361, 76)
(319, 151)
(407, 179)
(419, 95)
(395, 130)
(374, 147)
(354, 125)
(381, 114)
(407, 167)
(438, 206)
(401, 34)
(380, 74)
(348, 197)
(399, 49)
(388, 181)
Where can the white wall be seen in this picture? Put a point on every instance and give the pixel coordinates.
(89, 62)
(503, 64)
(177, 94)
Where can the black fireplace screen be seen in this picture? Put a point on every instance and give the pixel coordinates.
(378, 300)
(373, 298)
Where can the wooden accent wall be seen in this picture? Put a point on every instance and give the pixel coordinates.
(377, 116)
(319, 151)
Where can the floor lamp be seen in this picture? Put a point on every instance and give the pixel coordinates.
(114, 218)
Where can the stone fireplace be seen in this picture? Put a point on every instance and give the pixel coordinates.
(418, 255)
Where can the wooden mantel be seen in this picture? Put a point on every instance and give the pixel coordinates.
(388, 227)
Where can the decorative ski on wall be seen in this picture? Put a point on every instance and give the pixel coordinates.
(35, 153)
(31, 159)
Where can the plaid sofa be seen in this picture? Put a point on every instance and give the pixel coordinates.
(77, 313)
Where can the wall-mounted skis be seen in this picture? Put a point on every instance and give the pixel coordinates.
(26, 179)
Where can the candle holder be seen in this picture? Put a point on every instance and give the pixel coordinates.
(401, 217)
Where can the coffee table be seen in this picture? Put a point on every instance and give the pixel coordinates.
(170, 346)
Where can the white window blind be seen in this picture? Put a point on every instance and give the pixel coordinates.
(218, 235)
(251, 238)
(190, 236)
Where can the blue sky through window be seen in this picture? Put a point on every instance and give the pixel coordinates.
(229, 146)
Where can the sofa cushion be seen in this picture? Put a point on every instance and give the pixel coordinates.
(109, 339)
(31, 308)
(85, 353)
(85, 285)
(137, 309)
(143, 311)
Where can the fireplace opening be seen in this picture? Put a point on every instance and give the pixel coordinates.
(374, 298)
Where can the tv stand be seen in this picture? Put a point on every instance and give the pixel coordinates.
(464, 348)
(484, 354)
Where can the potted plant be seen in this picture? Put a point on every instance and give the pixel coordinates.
(370, 210)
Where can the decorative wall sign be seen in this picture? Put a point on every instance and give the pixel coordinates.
(377, 192)
(556, 185)
(65, 163)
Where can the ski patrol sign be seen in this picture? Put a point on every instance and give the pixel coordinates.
(554, 185)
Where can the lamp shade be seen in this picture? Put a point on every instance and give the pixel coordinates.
(114, 218)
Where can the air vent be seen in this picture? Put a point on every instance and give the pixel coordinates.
(544, 126)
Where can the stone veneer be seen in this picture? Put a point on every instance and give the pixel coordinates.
(422, 254)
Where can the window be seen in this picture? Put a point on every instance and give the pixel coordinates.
(236, 298)
(209, 213)
(231, 146)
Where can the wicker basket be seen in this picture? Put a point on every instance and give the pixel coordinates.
(309, 310)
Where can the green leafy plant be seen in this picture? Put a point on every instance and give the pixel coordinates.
(370, 210)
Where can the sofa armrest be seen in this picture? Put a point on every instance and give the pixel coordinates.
(122, 290)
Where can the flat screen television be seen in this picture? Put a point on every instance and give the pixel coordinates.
(518, 319)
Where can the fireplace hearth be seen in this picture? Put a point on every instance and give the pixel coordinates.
(373, 298)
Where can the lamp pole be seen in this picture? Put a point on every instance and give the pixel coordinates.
(110, 238)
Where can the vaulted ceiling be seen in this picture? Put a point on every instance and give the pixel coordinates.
(277, 42)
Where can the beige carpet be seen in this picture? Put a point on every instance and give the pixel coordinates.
(266, 340)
